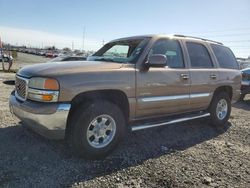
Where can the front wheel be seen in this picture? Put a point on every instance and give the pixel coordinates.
(220, 109)
(96, 129)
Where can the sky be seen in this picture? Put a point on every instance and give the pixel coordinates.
(62, 22)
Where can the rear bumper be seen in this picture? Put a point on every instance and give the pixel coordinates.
(49, 120)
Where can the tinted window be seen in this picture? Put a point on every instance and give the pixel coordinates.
(199, 56)
(225, 57)
(171, 49)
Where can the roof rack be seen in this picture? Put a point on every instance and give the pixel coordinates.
(184, 36)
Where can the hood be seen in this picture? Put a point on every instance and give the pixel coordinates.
(246, 70)
(52, 69)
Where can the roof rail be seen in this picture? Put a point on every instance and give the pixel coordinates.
(184, 36)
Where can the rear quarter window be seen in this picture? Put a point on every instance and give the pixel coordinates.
(225, 57)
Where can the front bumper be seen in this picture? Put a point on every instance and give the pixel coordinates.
(49, 120)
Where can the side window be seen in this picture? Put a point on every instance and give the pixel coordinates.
(172, 50)
(224, 57)
(117, 51)
(199, 56)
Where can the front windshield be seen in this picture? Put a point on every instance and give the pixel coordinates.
(123, 51)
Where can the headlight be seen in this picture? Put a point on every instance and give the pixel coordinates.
(43, 89)
(43, 83)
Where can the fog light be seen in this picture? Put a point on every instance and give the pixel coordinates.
(42, 95)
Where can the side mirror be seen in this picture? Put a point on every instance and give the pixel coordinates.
(157, 60)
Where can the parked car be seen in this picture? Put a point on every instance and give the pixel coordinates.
(68, 58)
(131, 83)
(245, 83)
(49, 54)
(41, 53)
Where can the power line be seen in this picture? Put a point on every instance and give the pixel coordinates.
(226, 35)
(240, 47)
(240, 50)
(236, 41)
(218, 31)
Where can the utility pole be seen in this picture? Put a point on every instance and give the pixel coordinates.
(103, 42)
(83, 38)
(1, 47)
(72, 45)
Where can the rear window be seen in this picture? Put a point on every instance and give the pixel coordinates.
(225, 57)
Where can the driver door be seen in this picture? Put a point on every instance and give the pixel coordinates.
(164, 90)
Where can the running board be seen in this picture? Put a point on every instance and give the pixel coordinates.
(147, 126)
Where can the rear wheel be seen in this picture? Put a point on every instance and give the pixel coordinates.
(220, 109)
(96, 129)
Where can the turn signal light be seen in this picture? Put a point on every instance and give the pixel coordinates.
(51, 84)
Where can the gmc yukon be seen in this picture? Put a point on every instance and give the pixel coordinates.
(131, 83)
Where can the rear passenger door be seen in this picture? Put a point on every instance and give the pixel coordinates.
(203, 74)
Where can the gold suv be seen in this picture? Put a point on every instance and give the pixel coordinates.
(130, 83)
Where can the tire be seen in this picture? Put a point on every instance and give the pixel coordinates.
(218, 116)
(89, 136)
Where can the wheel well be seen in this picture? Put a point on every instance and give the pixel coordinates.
(227, 89)
(115, 96)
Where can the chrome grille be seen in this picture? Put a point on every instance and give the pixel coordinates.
(21, 87)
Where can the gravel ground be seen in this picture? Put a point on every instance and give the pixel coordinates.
(191, 154)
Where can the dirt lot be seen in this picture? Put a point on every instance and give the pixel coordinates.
(192, 154)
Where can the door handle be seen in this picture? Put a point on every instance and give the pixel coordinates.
(185, 76)
(213, 76)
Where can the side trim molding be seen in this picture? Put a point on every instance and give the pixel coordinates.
(174, 97)
(164, 98)
(198, 95)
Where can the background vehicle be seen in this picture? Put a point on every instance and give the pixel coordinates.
(245, 84)
(130, 83)
(41, 53)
